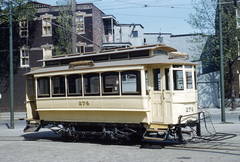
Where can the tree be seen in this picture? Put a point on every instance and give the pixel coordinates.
(63, 29)
(205, 20)
(22, 9)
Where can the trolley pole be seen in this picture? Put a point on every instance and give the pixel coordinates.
(222, 90)
(11, 68)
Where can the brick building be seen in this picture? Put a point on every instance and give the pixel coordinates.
(35, 40)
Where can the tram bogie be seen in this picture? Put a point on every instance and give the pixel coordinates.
(114, 98)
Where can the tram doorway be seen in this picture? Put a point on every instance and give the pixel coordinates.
(160, 95)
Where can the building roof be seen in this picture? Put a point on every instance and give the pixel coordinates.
(131, 25)
(38, 4)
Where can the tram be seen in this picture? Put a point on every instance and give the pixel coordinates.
(146, 92)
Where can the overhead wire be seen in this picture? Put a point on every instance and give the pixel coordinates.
(150, 16)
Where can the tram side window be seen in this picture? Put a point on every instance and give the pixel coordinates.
(178, 79)
(156, 79)
(43, 87)
(110, 82)
(91, 84)
(131, 84)
(58, 86)
(189, 80)
(74, 85)
(167, 79)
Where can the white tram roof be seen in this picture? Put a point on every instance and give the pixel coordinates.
(155, 59)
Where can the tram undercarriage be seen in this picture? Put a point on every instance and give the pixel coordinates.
(123, 132)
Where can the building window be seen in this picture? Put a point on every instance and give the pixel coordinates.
(80, 49)
(157, 79)
(24, 57)
(47, 51)
(135, 33)
(80, 27)
(110, 82)
(131, 84)
(46, 25)
(43, 87)
(91, 84)
(74, 85)
(238, 17)
(23, 29)
(58, 86)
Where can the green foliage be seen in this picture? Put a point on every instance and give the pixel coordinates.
(63, 30)
(21, 10)
(205, 19)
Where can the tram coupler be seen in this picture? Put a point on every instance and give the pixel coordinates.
(173, 135)
(189, 122)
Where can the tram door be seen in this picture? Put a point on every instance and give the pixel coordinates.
(160, 95)
(31, 98)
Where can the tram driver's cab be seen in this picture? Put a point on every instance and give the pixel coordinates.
(172, 91)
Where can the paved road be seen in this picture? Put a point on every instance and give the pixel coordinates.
(15, 146)
(231, 116)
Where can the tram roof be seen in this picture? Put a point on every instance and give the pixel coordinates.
(156, 59)
(112, 51)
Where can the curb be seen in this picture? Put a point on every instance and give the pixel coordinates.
(17, 116)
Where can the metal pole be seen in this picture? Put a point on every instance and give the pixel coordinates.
(11, 68)
(223, 119)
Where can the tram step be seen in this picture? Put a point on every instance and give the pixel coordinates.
(156, 130)
(146, 138)
(32, 128)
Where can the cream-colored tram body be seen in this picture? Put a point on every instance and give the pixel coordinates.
(116, 94)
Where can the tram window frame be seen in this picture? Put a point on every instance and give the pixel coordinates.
(74, 77)
(40, 95)
(167, 79)
(157, 79)
(175, 83)
(187, 81)
(195, 78)
(117, 85)
(87, 77)
(147, 81)
(189, 67)
(177, 66)
(138, 82)
(61, 88)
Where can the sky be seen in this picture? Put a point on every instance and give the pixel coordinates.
(166, 16)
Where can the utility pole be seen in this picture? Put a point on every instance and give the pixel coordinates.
(74, 36)
(222, 90)
(11, 95)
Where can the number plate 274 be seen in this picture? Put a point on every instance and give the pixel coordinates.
(83, 103)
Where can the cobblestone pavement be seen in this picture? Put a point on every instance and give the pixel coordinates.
(15, 146)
